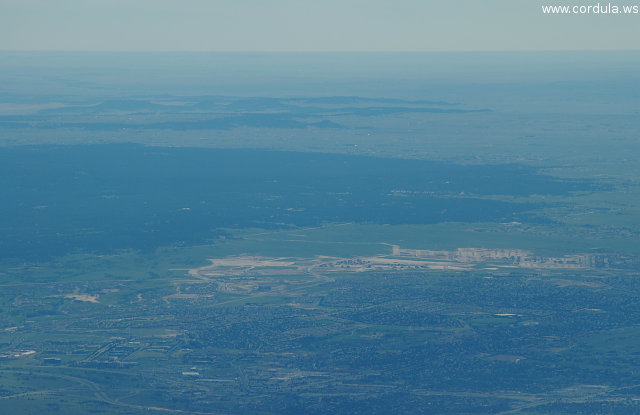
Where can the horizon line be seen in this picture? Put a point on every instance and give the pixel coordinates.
(312, 51)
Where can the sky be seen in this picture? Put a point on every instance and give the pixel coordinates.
(310, 25)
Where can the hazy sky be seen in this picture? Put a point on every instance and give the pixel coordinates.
(309, 25)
